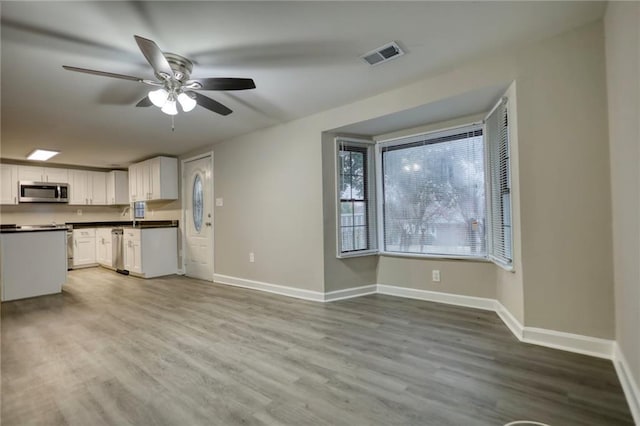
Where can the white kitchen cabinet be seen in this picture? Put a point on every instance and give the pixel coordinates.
(78, 187)
(155, 179)
(133, 183)
(84, 247)
(98, 188)
(132, 253)
(117, 187)
(43, 174)
(151, 252)
(104, 253)
(8, 184)
(55, 175)
(87, 187)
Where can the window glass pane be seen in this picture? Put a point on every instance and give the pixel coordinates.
(347, 239)
(354, 211)
(197, 202)
(434, 197)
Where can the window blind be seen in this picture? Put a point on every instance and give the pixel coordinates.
(499, 185)
(434, 194)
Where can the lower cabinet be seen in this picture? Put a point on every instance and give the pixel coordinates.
(151, 252)
(84, 247)
(104, 252)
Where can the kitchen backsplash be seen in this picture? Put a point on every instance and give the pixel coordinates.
(40, 214)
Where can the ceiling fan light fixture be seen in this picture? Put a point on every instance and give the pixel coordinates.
(170, 107)
(187, 102)
(159, 97)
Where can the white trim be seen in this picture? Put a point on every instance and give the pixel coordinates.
(509, 320)
(629, 385)
(447, 131)
(436, 296)
(349, 293)
(434, 256)
(183, 238)
(315, 296)
(586, 345)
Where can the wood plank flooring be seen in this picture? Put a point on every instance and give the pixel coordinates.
(175, 351)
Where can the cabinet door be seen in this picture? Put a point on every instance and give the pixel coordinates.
(111, 189)
(142, 183)
(120, 187)
(84, 250)
(8, 184)
(99, 249)
(137, 256)
(108, 252)
(56, 175)
(128, 254)
(30, 173)
(98, 192)
(133, 183)
(78, 180)
(155, 187)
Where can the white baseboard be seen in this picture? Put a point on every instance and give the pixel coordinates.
(315, 296)
(348, 293)
(629, 385)
(586, 345)
(435, 296)
(509, 320)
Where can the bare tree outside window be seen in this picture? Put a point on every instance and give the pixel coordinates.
(434, 196)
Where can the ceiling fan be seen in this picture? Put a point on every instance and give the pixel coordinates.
(175, 86)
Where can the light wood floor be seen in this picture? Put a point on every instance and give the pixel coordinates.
(120, 350)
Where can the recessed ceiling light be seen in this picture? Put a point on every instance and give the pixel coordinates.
(42, 155)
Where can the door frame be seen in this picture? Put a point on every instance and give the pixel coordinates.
(184, 211)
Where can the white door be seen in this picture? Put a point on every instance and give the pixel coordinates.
(198, 220)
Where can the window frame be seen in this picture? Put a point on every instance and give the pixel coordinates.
(406, 140)
(507, 266)
(370, 197)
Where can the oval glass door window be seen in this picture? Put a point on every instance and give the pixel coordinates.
(196, 199)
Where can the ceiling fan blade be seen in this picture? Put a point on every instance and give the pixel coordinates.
(221, 83)
(154, 56)
(211, 105)
(144, 102)
(103, 73)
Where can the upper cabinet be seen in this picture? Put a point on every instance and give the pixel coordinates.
(8, 184)
(43, 174)
(154, 179)
(117, 187)
(87, 187)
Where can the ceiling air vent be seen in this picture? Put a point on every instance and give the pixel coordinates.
(383, 54)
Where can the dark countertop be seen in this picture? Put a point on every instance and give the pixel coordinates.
(11, 229)
(142, 224)
(146, 224)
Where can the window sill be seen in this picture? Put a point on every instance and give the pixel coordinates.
(481, 259)
(349, 255)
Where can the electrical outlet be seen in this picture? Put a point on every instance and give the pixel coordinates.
(252, 258)
(435, 275)
(79, 211)
(219, 202)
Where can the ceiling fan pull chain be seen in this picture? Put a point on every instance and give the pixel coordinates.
(173, 127)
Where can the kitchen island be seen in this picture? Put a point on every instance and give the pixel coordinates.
(33, 261)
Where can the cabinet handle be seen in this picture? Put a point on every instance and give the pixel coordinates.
(15, 200)
(86, 201)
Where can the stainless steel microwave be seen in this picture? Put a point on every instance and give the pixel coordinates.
(43, 192)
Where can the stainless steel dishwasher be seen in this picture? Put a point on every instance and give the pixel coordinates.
(117, 250)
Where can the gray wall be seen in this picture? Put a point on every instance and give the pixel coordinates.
(272, 183)
(339, 273)
(564, 184)
(622, 23)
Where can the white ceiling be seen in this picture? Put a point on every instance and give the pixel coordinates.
(303, 56)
